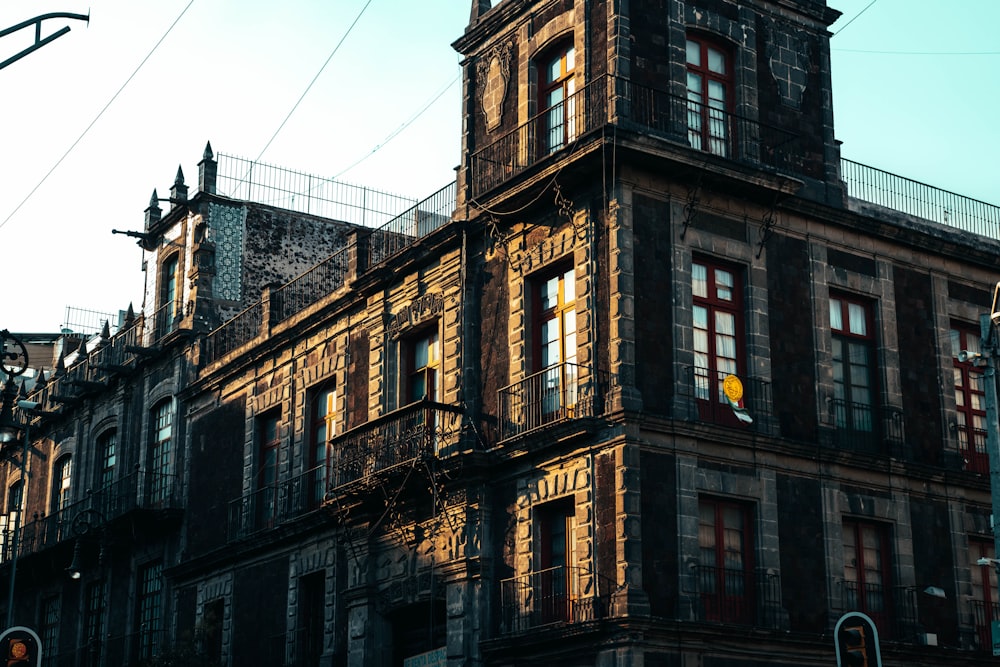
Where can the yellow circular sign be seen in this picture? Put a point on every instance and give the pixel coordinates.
(732, 388)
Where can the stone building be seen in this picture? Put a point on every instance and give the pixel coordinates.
(659, 380)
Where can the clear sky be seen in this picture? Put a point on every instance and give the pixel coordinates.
(915, 92)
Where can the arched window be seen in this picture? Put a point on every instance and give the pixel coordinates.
(324, 427)
(107, 448)
(556, 85)
(709, 95)
(62, 471)
(15, 497)
(161, 452)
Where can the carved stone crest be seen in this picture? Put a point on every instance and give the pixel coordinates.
(493, 70)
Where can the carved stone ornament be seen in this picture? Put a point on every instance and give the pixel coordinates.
(418, 311)
(493, 70)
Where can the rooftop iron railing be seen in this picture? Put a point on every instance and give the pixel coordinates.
(331, 274)
(241, 178)
(919, 199)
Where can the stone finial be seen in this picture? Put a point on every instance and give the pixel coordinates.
(129, 315)
(154, 212)
(479, 7)
(208, 170)
(179, 191)
(106, 331)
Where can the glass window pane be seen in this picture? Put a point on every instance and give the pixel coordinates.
(835, 321)
(716, 95)
(694, 88)
(570, 59)
(693, 53)
(699, 280)
(859, 323)
(724, 282)
(569, 286)
(716, 61)
(956, 345)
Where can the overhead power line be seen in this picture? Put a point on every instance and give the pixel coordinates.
(306, 91)
(856, 16)
(97, 117)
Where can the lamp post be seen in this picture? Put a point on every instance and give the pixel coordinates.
(13, 362)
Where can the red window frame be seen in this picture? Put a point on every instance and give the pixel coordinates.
(422, 365)
(970, 400)
(719, 335)
(867, 576)
(709, 118)
(984, 590)
(268, 452)
(324, 428)
(556, 101)
(852, 330)
(554, 343)
(556, 583)
(725, 541)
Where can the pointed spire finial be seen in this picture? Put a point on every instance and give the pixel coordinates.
(208, 154)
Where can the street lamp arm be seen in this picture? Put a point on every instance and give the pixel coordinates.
(39, 40)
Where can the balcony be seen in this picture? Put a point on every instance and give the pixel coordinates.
(558, 394)
(137, 491)
(984, 614)
(972, 447)
(704, 387)
(615, 100)
(270, 506)
(894, 609)
(395, 441)
(557, 595)
(866, 429)
(741, 597)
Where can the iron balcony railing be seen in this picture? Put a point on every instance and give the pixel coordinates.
(165, 320)
(328, 276)
(894, 609)
(420, 430)
(705, 387)
(558, 394)
(136, 491)
(867, 429)
(742, 597)
(920, 200)
(622, 102)
(972, 446)
(983, 615)
(553, 595)
(270, 506)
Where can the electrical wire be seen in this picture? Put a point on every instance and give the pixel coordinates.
(855, 17)
(96, 118)
(306, 91)
(400, 129)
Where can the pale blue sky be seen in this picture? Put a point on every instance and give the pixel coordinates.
(230, 71)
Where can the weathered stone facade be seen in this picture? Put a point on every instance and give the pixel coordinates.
(493, 431)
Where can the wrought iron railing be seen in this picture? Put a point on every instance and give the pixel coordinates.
(264, 183)
(920, 200)
(129, 493)
(972, 447)
(270, 506)
(560, 393)
(983, 615)
(894, 609)
(631, 105)
(705, 387)
(554, 595)
(743, 597)
(867, 429)
(331, 274)
(403, 437)
(165, 320)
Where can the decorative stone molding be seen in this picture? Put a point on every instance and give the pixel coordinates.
(422, 309)
(789, 62)
(493, 70)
